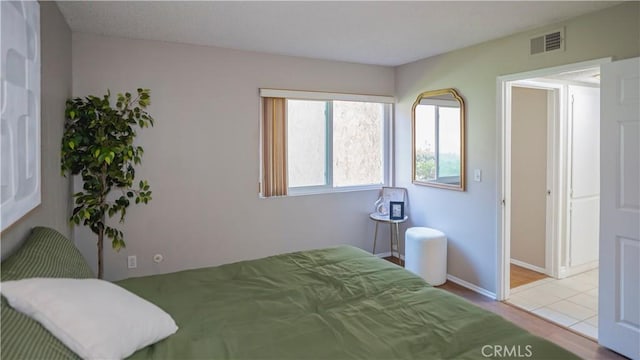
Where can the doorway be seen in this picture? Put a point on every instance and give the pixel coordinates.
(548, 253)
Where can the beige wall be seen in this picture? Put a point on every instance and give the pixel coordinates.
(529, 115)
(470, 219)
(201, 158)
(55, 45)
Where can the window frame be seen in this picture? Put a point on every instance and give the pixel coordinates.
(387, 137)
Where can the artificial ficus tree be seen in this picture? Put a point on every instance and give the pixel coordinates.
(98, 145)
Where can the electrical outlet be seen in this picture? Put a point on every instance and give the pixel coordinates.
(132, 262)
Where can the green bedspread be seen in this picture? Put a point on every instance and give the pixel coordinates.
(338, 303)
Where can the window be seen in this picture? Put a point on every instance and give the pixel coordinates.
(333, 142)
(307, 142)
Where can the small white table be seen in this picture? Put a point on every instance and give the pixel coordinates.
(385, 219)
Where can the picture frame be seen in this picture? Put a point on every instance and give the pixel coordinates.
(20, 163)
(389, 194)
(396, 210)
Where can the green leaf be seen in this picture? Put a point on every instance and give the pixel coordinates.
(117, 245)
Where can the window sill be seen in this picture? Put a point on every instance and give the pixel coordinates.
(323, 190)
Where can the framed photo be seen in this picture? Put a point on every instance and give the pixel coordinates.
(388, 195)
(393, 194)
(396, 210)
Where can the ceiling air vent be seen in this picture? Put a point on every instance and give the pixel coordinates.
(553, 41)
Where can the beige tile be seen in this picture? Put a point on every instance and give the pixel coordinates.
(545, 280)
(586, 329)
(527, 286)
(556, 317)
(572, 309)
(593, 321)
(585, 300)
(589, 276)
(578, 283)
(593, 274)
(523, 302)
(553, 289)
(540, 295)
(520, 288)
(592, 292)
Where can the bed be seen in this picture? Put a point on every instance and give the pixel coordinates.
(336, 303)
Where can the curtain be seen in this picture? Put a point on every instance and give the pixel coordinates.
(274, 147)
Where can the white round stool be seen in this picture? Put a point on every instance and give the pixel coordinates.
(425, 254)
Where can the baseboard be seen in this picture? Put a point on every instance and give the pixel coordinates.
(471, 286)
(454, 279)
(529, 266)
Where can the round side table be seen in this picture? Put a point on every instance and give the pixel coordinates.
(392, 223)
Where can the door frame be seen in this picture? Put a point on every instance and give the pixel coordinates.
(503, 118)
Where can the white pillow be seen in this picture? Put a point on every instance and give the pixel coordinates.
(94, 318)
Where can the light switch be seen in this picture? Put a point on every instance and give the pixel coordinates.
(477, 175)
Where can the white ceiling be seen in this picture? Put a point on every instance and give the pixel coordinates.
(370, 32)
(586, 76)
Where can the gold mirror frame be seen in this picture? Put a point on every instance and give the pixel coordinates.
(456, 96)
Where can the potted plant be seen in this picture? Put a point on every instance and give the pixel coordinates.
(98, 145)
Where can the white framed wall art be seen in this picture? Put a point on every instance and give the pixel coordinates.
(19, 110)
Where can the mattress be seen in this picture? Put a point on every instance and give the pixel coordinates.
(336, 303)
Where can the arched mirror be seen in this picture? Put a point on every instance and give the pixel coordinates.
(437, 125)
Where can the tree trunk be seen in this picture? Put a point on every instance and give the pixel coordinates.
(103, 199)
(100, 256)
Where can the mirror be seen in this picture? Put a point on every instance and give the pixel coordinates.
(438, 139)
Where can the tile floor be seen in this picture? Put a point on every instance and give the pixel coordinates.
(570, 302)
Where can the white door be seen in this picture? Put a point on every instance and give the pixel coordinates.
(619, 314)
(584, 175)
